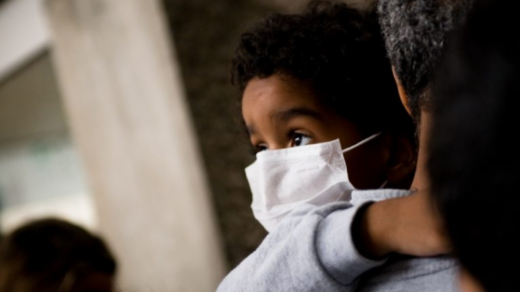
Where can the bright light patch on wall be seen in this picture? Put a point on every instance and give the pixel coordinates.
(77, 208)
(40, 171)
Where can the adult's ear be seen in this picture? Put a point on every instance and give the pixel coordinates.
(401, 161)
(402, 94)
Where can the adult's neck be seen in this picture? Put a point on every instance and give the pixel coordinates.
(421, 180)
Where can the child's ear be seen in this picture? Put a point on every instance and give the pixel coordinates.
(401, 161)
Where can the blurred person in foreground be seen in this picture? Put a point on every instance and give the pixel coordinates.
(52, 255)
(473, 166)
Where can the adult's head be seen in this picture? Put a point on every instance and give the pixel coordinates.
(415, 32)
(473, 164)
(53, 255)
(319, 76)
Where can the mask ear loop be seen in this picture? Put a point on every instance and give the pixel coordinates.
(361, 142)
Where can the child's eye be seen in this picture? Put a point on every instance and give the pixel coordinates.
(300, 139)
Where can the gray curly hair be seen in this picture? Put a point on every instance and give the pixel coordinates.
(415, 32)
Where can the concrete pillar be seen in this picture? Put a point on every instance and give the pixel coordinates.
(127, 113)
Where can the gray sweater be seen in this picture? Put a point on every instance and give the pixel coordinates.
(312, 250)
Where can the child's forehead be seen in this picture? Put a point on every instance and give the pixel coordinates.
(278, 101)
(276, 93)
(272, 105)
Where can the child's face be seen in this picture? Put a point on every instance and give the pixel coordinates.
(281, 112)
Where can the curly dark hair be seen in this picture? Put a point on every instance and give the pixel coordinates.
(335, 50)
(415, 32)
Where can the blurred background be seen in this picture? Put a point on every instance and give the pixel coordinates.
(118, 115)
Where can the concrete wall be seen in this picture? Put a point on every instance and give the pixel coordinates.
(205, 38)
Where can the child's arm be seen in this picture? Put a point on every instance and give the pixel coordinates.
(311, 250)
(406, 225)
(315, 248)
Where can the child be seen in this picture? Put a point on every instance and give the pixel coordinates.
(314, 78)
(340, 246)
(311, 79)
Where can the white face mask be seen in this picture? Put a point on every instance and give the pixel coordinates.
(281, 180)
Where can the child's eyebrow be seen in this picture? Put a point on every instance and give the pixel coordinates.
(288, 114)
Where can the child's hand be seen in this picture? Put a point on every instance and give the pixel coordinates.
(407, 225)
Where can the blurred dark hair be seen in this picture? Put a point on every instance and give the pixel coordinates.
(473, 164)
(335, 50)
(40, 255)
(415, 32)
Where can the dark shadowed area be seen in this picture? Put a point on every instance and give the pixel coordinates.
(205, 37)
